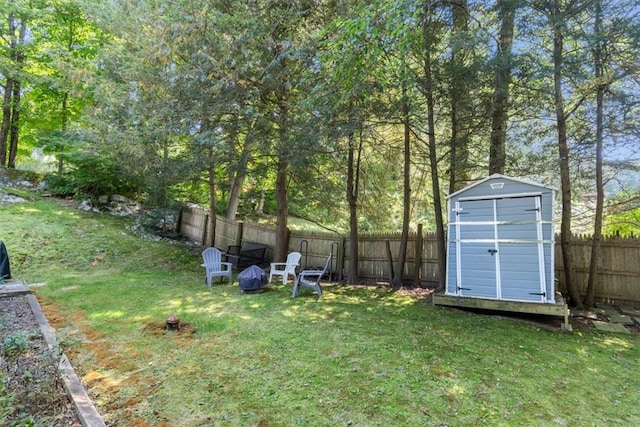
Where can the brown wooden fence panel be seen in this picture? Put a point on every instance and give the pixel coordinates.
(316, 247)
(260, 233)
(618, 268)
(430, 271)
(192, 223)
(226, 233)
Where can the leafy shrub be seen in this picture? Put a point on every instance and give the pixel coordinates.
(15, 344)
(61, 186)
(91, 177)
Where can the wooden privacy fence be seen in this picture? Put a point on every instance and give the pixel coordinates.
(618, 263)
(618, 277)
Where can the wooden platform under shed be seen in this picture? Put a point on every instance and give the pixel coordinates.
(560, 308)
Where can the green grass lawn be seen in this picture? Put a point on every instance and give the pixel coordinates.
(360, 356)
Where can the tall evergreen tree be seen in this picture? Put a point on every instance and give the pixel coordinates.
(503, 65)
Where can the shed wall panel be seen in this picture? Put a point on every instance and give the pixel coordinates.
(452, 278)
(520, 272)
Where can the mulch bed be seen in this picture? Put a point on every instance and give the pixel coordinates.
(29, 371)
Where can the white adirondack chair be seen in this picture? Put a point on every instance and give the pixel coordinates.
(311, 279)
(214, 265)
(285, 269)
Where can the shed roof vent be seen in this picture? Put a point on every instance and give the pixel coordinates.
(497, 185)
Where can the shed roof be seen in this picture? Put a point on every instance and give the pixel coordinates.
(499, 176)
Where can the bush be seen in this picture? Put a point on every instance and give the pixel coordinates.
(91, 177)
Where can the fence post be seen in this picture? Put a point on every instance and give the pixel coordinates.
(204, 230)
(389, 259)
(178, 229)
(417, 266)
(287, 240)
(239, 235)
(340, 262)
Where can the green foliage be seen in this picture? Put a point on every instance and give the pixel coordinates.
(623, 216)
(92, 175)
(625, 224)
(167, 91)
(5, 401)
(15, 344)
(28, 380)
(61, 186)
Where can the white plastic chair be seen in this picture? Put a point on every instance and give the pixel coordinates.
(213, 264)
(285, 269)
(305, 279)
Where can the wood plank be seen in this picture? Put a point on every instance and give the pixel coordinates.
(559, 309)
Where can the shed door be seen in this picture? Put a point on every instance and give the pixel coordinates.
(500, 247)
(477, 234)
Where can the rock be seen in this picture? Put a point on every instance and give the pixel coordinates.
(86, 206)
(610, 327)
(123, 206)
(622, 319)
(632, 311)
(164, 221)
(8, 198)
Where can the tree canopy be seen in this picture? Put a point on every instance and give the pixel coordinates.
(350, 114)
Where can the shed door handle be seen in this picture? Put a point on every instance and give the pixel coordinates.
(492, 251)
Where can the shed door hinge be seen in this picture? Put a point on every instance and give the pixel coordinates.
(544, 294)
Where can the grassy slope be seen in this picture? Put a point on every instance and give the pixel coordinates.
(361, 356)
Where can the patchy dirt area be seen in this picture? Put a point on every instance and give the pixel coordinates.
(159, 329)
(30, 377)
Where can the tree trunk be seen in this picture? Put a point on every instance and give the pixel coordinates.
(18, 57)
(502, 80)
(428, 38)
(65, 99)
(211, 235)
(63, 127)
(282, 232)
(459, 95)
(597, 225)
(8, 94)
(563, 152)
(396, 283)
(353, 174)
(282, 173)
(282, 94)
(14, 128)
(210, 155)
(238, 175)
(6, 121)
(260, 207)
